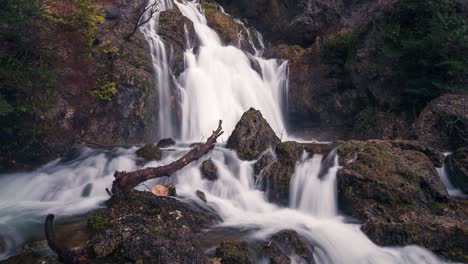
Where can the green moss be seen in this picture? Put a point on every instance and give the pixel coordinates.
(247, 154)
(338, 47)
(98, 222)
(210, 8)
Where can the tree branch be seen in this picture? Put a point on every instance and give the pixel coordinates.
(125, 181)
(153, 8)
(65, 255)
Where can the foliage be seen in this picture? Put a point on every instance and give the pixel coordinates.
(428, 40)
(106, 89)
(86, 19)
(25, 72)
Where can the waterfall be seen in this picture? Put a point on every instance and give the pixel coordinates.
(452, 190)
(219, 82)
(160, 62)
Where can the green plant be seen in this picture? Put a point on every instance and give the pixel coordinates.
(86, 18)
(106, 89)
(340, 45)
(98, 222)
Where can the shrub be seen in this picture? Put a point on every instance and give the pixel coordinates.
(428, 40)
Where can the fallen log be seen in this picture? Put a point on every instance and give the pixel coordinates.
(125, 181)
(65, 255)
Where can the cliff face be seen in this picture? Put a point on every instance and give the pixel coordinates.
(104, 90)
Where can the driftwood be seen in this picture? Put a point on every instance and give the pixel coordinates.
(125, 181)
(65, 255)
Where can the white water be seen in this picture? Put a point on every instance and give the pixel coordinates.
(219, 83)
(452, 190)
(160, 59)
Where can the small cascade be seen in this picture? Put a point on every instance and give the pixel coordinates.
(313, 186)
(452, 190)
(160, 59)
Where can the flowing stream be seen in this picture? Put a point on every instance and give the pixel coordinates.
(219, 83)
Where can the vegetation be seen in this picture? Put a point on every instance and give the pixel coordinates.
(25, 72)
(428, 41)
(105, 89)
(98, 222)
(338, 47)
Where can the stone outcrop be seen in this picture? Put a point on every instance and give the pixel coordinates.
(396, 192)
(166, 142)
(252, 136)
(457, 166)
(444, 122)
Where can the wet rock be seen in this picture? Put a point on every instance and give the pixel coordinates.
(209, 170)
(437, 157)
(148, 228)
(275, 178)
(394, 189)
(149, 152)
(164, 190)
(87, 190)
(233, 252)
(444, 123)
(223, 24)
(266, 159)
(252, 136)
(166, 142)
(284, 244)
(457, 165)
(201, 195)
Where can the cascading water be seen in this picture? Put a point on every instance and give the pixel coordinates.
(160, 59)
(219, 83)
(452, 190)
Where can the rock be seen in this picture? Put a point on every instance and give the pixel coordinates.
(394, 189)
(376, 176)
(444, 123)
(266, 159)
(437, 157)
(209, 170)
(31, 258)
(252, 136)
(457, 165)
(284, 244)
(223, 24)
(201, 195)
(371, 123)
(166, 142)
(293, 22)
(164, 190)
(147, 228)
(149, 152)
(275, 178)
(233, 252)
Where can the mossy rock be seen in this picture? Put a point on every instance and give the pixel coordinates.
(149, 152)
(233, 252)
(98, 222)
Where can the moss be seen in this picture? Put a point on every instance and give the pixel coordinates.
(210, 8)
(106, 91)
(247, 153)
(338, 47)
(98, 222)
(149, 152)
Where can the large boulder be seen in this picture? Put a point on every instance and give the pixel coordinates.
(444, 122)
(394, 189)
(142, 227)
(149, 152)
(252, 136)
(209, 170)
(457, 164)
